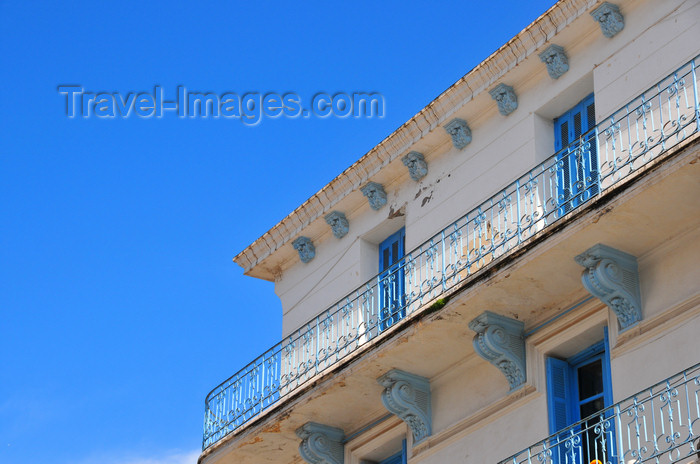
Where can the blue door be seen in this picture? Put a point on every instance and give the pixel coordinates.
(578, 388)
(575, 143)
(391, 280)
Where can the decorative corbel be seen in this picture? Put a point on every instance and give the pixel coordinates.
(556, 60)
(613, 276)
(338, 222)
(505, 97)
(416, 164)
(408, 397)
(375, 195)
(321, 444)
(460, 133)
(610, 19)
(500, 341)
(305, 247)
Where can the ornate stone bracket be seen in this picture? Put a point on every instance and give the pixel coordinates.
(556, 60)
(416, 164)
(505, 97)
(305, 247)
(460, 133)
(375, 195)
(321, 444)
(408, 397)
(610, 19)
(339, 223)
(500, 341)
(613, 276)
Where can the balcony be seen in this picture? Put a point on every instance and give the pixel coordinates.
(637, 136)
(660, 424)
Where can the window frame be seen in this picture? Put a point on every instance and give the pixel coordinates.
(379, 442)
(399, 458)
(391, 295)
(577, 155)
(563, 403)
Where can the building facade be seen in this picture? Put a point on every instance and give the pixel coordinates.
(511, 276)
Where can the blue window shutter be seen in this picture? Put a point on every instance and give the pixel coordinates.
(558, 394)
(577, 179)
(607, 376)
(564, 405)
(561, 131)
(391, 249)
(588, 110)
(592, 168)
(391, 279)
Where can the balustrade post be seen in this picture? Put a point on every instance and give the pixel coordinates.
(444, 280)
(517, 209)
(695, 96)
(598, 169)
(376, 302)
(661, 115)
(618, 431)
(315, 343)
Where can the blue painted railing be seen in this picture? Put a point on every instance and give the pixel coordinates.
(658, 425)
(623, 143)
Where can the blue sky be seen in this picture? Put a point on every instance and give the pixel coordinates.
(120, 307)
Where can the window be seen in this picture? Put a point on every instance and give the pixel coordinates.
(577, 153)
(576, 389)
(391, 279)
(398, 458)
(384, 443)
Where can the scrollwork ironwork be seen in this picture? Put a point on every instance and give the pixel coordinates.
(624, 142)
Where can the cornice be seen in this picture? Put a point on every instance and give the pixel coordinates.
(398, 143)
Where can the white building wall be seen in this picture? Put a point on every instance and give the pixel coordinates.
(475, 417)
(663, 344)
(502, 148)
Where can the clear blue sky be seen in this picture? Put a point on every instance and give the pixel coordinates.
(120, 307)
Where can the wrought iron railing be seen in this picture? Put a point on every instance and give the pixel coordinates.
(621, 144)
(660, 424)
